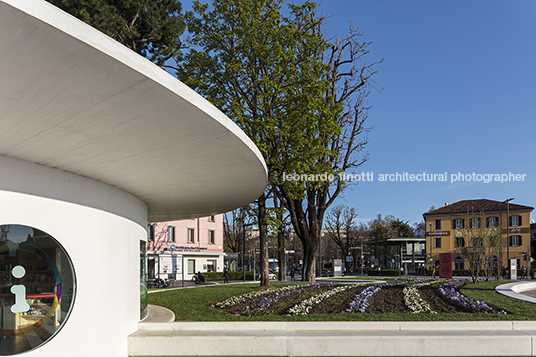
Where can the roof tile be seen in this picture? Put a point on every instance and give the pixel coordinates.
(477, 206)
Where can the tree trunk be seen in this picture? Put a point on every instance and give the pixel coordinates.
(282, 256)
(309, 262)
(263, 241)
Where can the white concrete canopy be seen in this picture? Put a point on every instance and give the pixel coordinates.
(73, 99)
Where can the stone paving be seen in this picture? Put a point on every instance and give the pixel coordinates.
(531, 293)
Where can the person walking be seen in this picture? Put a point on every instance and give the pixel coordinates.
(226, 276)
(292, 272)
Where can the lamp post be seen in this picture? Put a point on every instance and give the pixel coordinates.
(431, 248)
(244, 249)
(508, 234)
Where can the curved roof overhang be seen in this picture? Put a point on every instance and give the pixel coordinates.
(73, 99)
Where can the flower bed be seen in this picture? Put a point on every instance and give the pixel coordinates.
(361, 301)
(270, 301)
(416, 296)
(304, 307)
(413, 299)
(449, 291)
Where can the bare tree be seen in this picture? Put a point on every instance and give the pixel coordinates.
(233, 229)
(480, 244)
(341, 227)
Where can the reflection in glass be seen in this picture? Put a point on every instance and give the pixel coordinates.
(143, 279)
(37, 288)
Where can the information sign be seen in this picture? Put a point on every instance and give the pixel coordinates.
(445, 265)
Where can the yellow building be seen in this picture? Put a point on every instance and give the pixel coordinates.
(453, 229)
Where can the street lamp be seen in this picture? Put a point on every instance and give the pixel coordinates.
(431, 248)
(508, 235)
(244, 249)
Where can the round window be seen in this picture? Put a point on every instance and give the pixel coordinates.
(37, 288)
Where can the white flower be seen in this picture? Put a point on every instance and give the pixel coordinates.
(233, 300)
(305, 306)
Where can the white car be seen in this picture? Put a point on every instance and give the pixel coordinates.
(272, 276)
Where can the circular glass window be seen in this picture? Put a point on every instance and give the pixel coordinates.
(37, 288)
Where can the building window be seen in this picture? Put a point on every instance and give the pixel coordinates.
(475, 223)
(458, 223)
(211, 218)
(37, 288)
(191, 266)
(460, 242)
(191, 235)
(515, 241)
(437, 225)
(515, 221)
(150, 232)
(492, 222)
(211, 265)
(459, 263)
(211, 237)
(171, 234)
(438, 242)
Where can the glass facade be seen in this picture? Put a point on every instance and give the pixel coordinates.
(143, 279)
(37, 288)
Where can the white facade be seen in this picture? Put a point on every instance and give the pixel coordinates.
(85, 123)
(83, 215)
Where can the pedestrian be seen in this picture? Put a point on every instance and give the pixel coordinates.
(292, 272)
(226, 276)
(523, 272)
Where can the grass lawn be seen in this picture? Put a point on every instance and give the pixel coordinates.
(190, 305)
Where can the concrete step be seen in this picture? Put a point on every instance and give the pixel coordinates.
(493, 338)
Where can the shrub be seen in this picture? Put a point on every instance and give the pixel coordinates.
(377, 272)
(460, 272)
(233, 275)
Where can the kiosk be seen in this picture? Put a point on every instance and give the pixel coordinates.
(95, 141)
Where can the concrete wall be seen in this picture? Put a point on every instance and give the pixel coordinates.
(100, 228)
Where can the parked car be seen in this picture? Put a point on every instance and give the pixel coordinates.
(271, 275)
(327, 272)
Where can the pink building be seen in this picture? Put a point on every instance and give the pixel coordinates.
(178, 249)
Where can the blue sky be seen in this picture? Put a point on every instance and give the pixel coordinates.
(459, 96)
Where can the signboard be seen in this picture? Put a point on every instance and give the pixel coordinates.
(438, 233)
(337, 267)
(513, 269)
(445, 265)
(349, 259)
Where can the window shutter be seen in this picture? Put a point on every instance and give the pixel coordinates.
(520, 220)
(520, 238)
(510, 241)
(463, 222)
(510, 221)
(454, 224)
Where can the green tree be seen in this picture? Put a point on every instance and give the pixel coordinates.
(152, 28)
(253, 63)
(402, 229)
(334, 148)
(291, 91)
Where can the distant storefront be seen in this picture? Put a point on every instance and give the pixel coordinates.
(176, 250)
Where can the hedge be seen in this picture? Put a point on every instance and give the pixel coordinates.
(377, 272)
(459, 272)
(233, 275)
